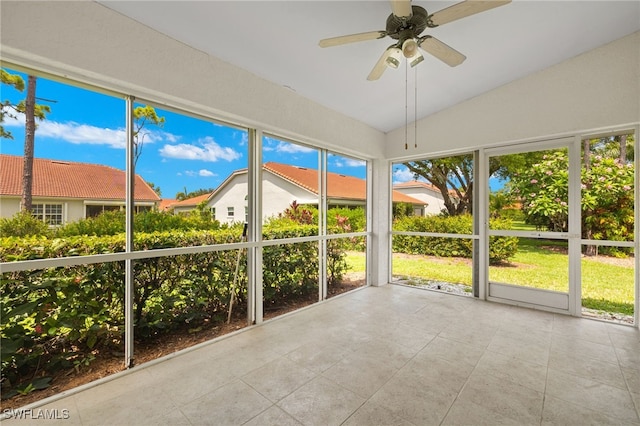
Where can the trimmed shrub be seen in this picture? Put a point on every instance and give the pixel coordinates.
(501, 248)
(113, 223)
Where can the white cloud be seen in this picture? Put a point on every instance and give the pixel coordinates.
(76, 133)
(291, 148)
(190, 173)
(402, 175)
(206, 150)
(206, 173)
(349, 162)
(271, 144)
(86, 134)
(244, 139)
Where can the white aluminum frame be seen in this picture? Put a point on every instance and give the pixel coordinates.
(554, 301)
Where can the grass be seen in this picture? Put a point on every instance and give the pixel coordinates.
(538, 263)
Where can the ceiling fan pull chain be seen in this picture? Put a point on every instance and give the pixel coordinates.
(415, 112)
(406, 107)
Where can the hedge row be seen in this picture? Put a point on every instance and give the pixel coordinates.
(500, 248)
(54, 318)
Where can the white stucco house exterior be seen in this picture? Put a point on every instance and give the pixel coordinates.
(282, 184)
(67, 191)
(425, 192)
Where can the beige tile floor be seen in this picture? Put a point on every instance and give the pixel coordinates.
(388, 355)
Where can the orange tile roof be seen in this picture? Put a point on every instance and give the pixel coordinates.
(415, 183)
(68, 179)
(338, 186)
(193, 201)
(166, 203)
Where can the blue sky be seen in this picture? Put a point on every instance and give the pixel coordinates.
(185, 153)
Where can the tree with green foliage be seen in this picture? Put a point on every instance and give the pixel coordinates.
(155, 188)
(184, 195)
(450, 175)
(453, 176)
(8, 108)
(143, 116)
(607, 194)
(543, 190)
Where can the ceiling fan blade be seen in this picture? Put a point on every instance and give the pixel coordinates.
(379, 67)
(352, 38)
(401, 8)
(440, 50)
(464, 9)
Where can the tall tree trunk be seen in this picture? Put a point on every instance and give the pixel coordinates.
(623, 149)
(587, 154)
(29, 138)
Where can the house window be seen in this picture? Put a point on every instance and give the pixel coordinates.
(230, 212)
(213, 213)
(95, 210)
(48, 213)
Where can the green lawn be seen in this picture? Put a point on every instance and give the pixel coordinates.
(538, 263)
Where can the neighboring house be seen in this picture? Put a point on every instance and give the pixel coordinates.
(425, 192)
(189, 204)
(167, 204)
(66, 191)
(282, 185)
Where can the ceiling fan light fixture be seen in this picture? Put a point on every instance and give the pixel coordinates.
(394, 57)
(411, 52)
(415, 60)
(410, 48)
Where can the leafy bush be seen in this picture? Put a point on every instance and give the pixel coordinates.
(290, 269)
(355, 218)
(501, 248)
(113, 222)
(55, 318)
(401, 209)
(23, 224)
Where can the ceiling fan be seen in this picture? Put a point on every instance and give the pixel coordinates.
(405, 24)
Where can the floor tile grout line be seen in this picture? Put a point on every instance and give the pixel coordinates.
(464, 386)
(386, 382)
(546, 376)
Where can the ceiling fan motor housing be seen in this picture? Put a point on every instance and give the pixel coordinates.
(403, 28)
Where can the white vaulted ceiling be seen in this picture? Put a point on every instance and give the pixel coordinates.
(278, 41)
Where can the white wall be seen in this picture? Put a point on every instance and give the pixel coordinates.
(72, 210)
(232, 194)
(599, 88)
(91, 43)
(433, 200)
(9, 206)
(277, 195)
